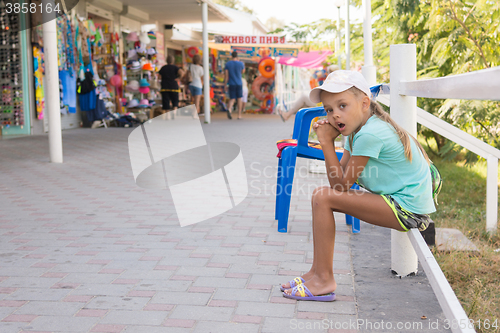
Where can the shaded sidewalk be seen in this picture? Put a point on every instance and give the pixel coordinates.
(83, 249)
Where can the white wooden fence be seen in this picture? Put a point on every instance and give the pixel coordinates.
(408, 248)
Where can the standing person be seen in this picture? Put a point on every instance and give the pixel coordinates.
(382, 156)
(232, 76)
(169, 86)
(196, 85)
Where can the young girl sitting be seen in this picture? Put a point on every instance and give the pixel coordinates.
(385, 160)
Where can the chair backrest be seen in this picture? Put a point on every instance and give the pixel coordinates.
(302, 124)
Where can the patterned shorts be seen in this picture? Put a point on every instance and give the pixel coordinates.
(407, 219)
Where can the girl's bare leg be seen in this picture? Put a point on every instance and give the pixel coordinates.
(363, 205)
(310, 273)
(197, 100)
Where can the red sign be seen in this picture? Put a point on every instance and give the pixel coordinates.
(261, 39)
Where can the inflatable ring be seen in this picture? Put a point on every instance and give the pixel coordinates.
(266, 67)
(258, 87)
(192, 51)
(268, 99)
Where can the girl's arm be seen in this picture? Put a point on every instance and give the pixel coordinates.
(342, 174)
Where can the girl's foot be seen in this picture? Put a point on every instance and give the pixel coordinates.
(317, 286)
(305, 277)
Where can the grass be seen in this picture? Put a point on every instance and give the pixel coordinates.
(475, 277)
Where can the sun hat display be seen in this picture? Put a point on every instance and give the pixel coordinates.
(141, 51)
(144, 103)
(133, 85)
(144, 83)
(132, 37)
(144, 90)
(151, 35)
(132, 54)
(144, 38)
(147, 67)
(135, 65)
(340, 81)
(133, 103)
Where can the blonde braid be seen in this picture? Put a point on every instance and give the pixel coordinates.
(404, 136)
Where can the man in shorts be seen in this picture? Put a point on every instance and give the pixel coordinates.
(232, 76)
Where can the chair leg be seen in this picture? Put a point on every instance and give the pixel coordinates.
(284, 190)
(352, 221)
(278, 182)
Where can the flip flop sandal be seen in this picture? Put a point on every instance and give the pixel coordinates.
(295, 282)
(302, 290)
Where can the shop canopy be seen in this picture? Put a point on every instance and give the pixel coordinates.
(310, 59)
(178, 11)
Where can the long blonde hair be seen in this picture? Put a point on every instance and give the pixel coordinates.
(404, 136)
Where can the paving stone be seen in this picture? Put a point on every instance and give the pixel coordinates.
(265, 309)
(175, 297)
(121, 303)
(63, 323)
(217, 282)
(202, 313)
(282, 325)
(126, 317)
(242, 294)
(227, 327)
(41, 308)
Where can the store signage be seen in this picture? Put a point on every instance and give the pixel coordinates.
(253, 52)
(263, 39)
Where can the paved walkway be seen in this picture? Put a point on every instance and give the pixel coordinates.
(83, 249)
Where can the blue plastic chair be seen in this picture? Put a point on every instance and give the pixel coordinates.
(286, 166)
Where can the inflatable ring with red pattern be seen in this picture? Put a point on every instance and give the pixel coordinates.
(192, 51)
(259, 88)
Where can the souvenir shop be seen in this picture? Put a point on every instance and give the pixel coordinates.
(106, 71)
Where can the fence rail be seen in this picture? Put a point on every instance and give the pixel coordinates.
(483, 85)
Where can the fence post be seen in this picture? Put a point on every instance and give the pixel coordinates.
(403, 67)
(492, 195)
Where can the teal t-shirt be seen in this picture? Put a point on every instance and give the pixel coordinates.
(388, 171)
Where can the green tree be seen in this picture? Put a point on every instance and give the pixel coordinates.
(452, 37)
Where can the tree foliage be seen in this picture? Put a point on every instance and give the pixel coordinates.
(452, 37)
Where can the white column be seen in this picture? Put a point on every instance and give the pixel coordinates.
(206, 66)
(403, 67)
(347, 40)
(492, 195)
(337, 43)
(52, 105)
(369, 71)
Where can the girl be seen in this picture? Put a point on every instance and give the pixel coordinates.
(385, 160)
(196, 86)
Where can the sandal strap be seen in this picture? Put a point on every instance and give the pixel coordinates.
(302, 290)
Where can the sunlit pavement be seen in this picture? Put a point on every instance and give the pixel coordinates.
(83, 249)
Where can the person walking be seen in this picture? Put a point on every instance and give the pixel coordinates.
(232, 77)
(196, 85)
(169, 86)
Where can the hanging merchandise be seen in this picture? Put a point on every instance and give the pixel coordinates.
(144, 39)
(132, 37)
(11, 102)
(86, 92)
(38, 69)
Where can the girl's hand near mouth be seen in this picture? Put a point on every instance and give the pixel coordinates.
(325, 131)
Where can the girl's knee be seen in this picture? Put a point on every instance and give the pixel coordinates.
(323, 196)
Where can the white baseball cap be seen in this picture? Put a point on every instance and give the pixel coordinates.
(340, 81)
